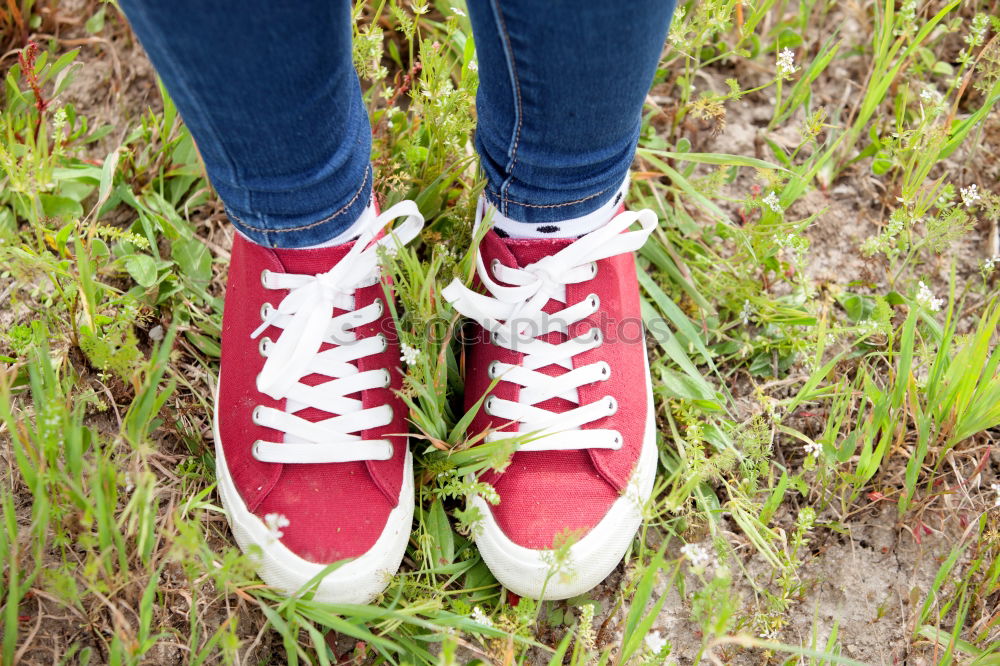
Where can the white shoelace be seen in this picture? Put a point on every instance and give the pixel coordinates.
(515, 318)
(306, 318)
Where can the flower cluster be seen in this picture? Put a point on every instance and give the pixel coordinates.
(869, 327)
(970, 195)
(980, 24)
(409, 355)
(786, 64)
(926, 298)
(772, 202)
(655, 641)
(696, 554)
(479, 617)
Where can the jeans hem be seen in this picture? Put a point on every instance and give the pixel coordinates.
(543, 213)
(298, 232)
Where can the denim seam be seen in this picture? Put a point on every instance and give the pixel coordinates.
(518, 105)
(311, 225)
(559, 205)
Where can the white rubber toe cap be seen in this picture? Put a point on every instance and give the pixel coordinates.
(356, 581)
(529, 573)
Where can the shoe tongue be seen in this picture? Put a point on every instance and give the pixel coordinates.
(312, 261)
(529, 250)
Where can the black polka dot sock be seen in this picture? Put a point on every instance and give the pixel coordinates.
(571, 228)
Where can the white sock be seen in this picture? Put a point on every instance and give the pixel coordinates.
(351, 232)
(570, 228)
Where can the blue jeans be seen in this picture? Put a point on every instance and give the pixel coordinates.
(270, 94)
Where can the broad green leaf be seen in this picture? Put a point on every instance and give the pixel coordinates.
(60, 207)
(142, 268)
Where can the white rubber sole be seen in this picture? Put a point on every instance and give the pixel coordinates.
(530, 573)
(356, 581)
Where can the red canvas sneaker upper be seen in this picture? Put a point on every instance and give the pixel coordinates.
(313, 436)
(575, 369)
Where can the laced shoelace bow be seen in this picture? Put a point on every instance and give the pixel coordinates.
(515, 319)
(306, 318)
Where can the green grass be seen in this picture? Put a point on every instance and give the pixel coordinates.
(789, 406)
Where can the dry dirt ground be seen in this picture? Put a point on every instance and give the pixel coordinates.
(869, 572)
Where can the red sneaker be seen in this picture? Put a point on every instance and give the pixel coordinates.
(312, 459)
(562, 330)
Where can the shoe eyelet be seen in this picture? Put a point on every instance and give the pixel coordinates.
(612, 405)
(493, 266)
(381, 307)
(264, 346)
(605, 371)
(384, 341)
(491, 371)
(255, 415)
(593, 270)
(488, 406)
(596, 334)
(618, 441)
(595, 301)
(387, 382)
(265, 311)
(263, 278)
(255, 449)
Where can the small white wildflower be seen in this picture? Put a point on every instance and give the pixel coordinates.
(473, 66)
(275, 522)
(696, 554)
(868, 326)
(655, 641)
(907, 18)
(771, 201)
(970, 195)
(813, 449)
(931, 97)
(926, 298)
(786, 63)
(980, 24)
(990, 264)
(479, 617)
(746, 312)
(996, 489)
(58, 122)
(634, 494)
(409, 354)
